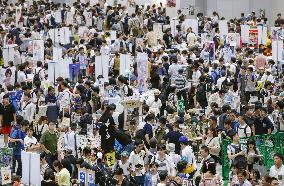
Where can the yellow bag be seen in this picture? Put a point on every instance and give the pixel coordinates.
(189, 169)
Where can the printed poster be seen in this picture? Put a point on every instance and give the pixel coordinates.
(142, 68)
(125, 60)
(8, 54)
(101, 66)
(69, 18)
(110, 159)
(6, 175)
(38, 50)
(245, 33)
(89, 19)
(58, 18)
(233, 39)
(210, 48)
(82, 176)
(253, 39)
(277, 49)
(275, 32)
(193, 23)
(223, 26)
(91, 178)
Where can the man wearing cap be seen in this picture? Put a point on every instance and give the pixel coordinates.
(262, 124)
(123, 163)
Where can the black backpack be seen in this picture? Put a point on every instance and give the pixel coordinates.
(241, 160)
(37, 77)
(130, 91)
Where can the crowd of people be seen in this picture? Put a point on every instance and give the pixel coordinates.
(192, 104)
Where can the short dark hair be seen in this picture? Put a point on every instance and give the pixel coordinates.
(163, 175)
(205, 148)
(279, 155)
(138, 142)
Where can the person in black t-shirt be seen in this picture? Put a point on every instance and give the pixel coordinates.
(262, 124)
(107, 130)
(8, 116)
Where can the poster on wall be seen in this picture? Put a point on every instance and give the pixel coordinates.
(171, 3)
(253, 39)
(277, 49)
(6, 175)
(142, 64)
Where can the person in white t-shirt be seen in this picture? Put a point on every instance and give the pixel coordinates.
(243, 129)
(277, 170)
(30, 142)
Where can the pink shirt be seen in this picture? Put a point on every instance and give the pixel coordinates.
(260, 61)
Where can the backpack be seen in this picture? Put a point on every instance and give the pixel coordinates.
(224, 84)
(241, 160)
(215, 75)
(245, 130)
(37, 77)
(200, 93)
(130, 91)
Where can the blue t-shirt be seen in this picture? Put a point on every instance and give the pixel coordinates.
(17, 133)
(148, 130)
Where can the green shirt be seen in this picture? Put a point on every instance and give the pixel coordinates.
(49, 141)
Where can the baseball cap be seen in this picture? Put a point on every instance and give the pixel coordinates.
(124, 154)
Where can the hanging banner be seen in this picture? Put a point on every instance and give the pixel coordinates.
(125, 60)
(38, 50)
(245, 33)
(253, 39)
(142, 68)
(101, 66)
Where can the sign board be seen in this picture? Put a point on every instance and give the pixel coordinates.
(131, 103)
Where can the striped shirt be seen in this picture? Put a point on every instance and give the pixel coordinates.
(180, 82)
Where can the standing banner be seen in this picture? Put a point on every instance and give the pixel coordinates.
(58, 68)
(89, 18)
(142, 68)
(158, 29)
(57, 15)
(277, 49)
(174, 22)
(82, 176)
(38, 50)
(64, 35)
(223, 26)
(264, 35)
(205, 37)
(171, 12)
(113, 35)
(18, 15)
(91, 178)
(253, 39)
(260, 33)
(210, 48)
(101, 66)
(125, 60)
(245, 33)
(193, 23)
(31, 168)
(69, 18)
(74, 70)
(57, 53)
(8, 54)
